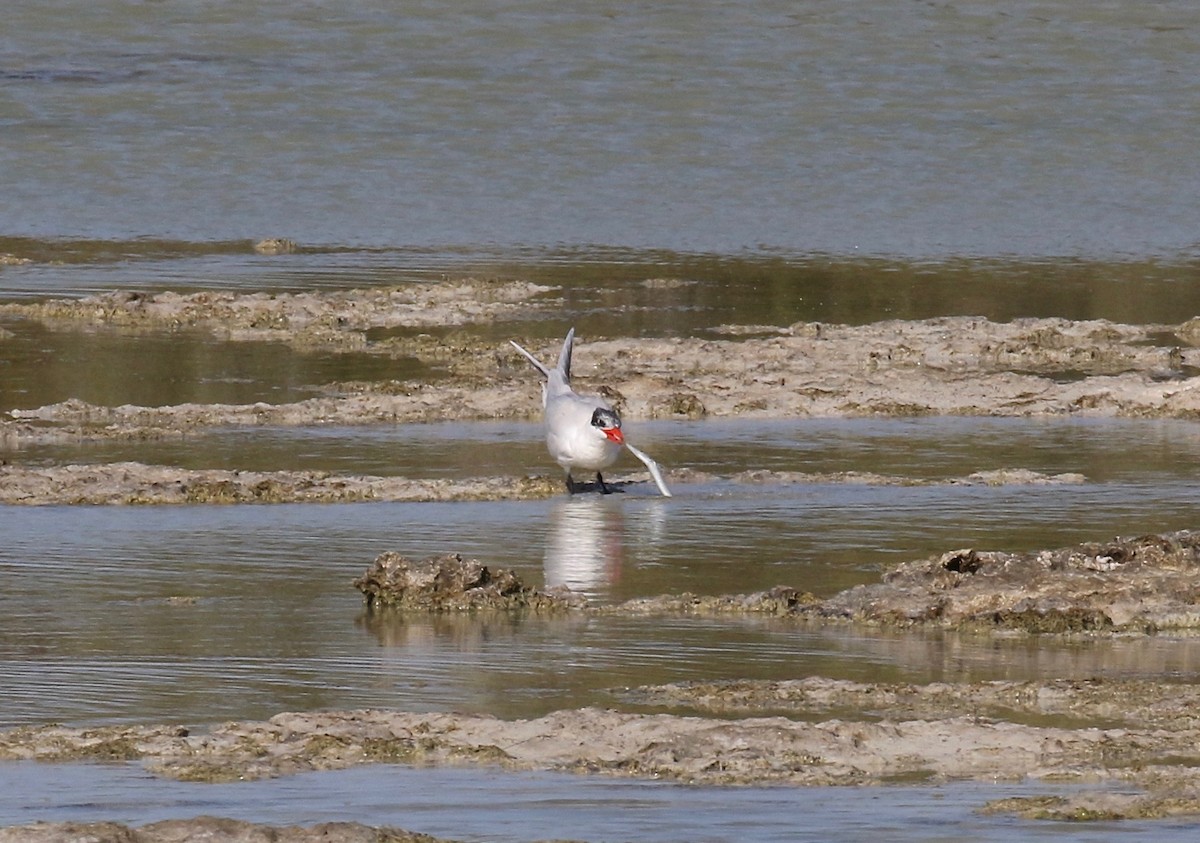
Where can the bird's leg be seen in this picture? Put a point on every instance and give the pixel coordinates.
(604, 490)
(570, 484)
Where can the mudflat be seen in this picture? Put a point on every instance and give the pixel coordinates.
(945, 366)
(805, 732)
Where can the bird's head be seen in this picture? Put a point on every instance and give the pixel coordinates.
(609, 424)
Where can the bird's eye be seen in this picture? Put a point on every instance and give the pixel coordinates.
(605, 419)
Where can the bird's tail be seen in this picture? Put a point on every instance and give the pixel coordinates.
(564, 358)
(537, 364)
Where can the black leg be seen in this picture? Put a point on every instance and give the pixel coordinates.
(604, 490)
(570, 484)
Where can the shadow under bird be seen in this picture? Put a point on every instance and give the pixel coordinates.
(583, 432)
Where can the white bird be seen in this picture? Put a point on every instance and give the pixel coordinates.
(582, 432)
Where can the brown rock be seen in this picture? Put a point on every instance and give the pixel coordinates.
(1142, 584)
(451, 583)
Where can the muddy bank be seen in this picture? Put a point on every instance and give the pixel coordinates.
(1117, 715)
(686, 748)
(1062, 702)
(452, 583)
(1156, 758)
(215, 829)
(139, 484)
(1140, 585)
(136, 483)
(950, 366)
(338, 320)
(1140, 735)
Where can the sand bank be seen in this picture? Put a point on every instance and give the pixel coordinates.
(948, 366)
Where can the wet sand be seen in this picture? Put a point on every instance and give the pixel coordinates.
(807, 732)
(1137, 734)
(336, 320)
(216, 829)
(136, 483)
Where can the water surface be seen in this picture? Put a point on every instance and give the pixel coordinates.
(930, 129)
(203, 613)
(516, 807)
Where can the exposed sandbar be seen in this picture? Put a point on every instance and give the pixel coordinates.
(136, 483)
(948, 366)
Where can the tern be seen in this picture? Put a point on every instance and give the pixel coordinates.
(583, 432)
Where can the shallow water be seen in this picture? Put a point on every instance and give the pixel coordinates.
(204, 613)
(40, 366)
(517, 807)
(931, 129)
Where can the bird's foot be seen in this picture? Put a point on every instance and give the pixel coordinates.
(605, 489)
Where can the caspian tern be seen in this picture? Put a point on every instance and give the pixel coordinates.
(583, 432)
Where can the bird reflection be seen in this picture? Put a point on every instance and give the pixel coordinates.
(584, 548)
(593, 538)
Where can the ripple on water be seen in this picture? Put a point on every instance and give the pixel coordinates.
(203, 613)
(477, 804)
